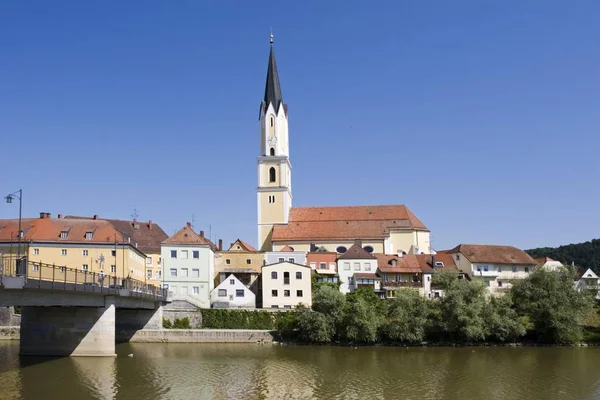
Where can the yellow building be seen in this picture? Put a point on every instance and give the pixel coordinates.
(241, 260)
(76, 246)
(389, 229)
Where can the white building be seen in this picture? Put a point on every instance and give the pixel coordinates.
(496, 266)
(355, 260)
(285, 254)
(548, 264)
(588, 280)
(188, 266)
(286, 285)
(232, 293)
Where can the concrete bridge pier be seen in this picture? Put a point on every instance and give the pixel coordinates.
(129, 321)
(69, 331)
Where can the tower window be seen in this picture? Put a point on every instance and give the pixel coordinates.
(272, 151)
(272, 121)
(272, 174)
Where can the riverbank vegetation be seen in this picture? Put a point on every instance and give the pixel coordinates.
(543, 308)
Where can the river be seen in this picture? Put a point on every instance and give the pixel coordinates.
(254, 371)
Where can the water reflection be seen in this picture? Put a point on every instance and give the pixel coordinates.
(252, 371)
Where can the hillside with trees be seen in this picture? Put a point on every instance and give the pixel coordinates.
(585, 255)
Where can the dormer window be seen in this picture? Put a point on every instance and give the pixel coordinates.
(64, 234)
(394, 263)
(368, 249)
(439, 264)
(89, 235)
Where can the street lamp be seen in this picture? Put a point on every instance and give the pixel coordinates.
(19, 195)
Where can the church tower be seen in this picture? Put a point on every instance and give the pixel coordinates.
(274, 192)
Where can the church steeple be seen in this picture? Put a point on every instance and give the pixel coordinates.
(272, 87)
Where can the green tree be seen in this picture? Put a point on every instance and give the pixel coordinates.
(502, 322)
(554, 307)
(361, 321)
(407, 317)
(330, 302)
(444, 279)
(462, 311)
(313, 326)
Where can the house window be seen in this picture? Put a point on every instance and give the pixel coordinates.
(63, 269)
(113, 269)
(286, 293)
(113, 253)
(173, 271)
(272, 174)
(89, 235)
(159, 260)
(84, 267)
(526, 270)
(148, 260)
(184, 254)
(232, 281)
(514, 269)
(272, 152)
(367, 266)
(274, 293)
(313, 265)
(184, 272)
(196, 254)
(298, 293)
(84, 252)
(332, 266)
(64, 234)
(159, 274)
(63, 252)
(357, 266)
(287, 307)
(286, 278)
(457, 257)
(195, 273)
(227, 261)
(36, 252)
(239, 293)
(298, 275)
(173, 253)
(292, 260)
(385, 277)
(184, 290)
(341, 249)
(499, 269)
(222, 293)
(346, 266)
(149, 273)
(281, 259)
(274, 275)
(322, 266)
(478, 268)
(196, 290)
(369, 249)
(485, 268)
(36, 267)
(499, 283)
(248, 261)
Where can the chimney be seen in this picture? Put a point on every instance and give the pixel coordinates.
(400, 253)
(433, 261)
(44, 215)
(220, 244)
(59, 216)
(313, 247)
(95, 216)
(150, 224)
(188, 224)
(201, 234)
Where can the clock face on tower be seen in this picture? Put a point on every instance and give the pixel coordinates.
(272, 141)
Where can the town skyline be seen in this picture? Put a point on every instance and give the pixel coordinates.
(470, 155)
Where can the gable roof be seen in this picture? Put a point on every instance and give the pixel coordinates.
(543, 260)
(403, 264)
(587, 273)
(186, 235)
(356, 252)
(350, 222)
(321, 256)
(245, 246)
(147, 235)
(493, 254)
(287, 248)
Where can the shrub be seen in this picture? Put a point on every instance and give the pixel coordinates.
(237, 319)
(314, 326)
(166, 323)
(183, 323)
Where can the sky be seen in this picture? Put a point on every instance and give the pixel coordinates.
(481, 116)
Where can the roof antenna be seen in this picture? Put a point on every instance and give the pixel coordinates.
(134, 215)
(193, 220)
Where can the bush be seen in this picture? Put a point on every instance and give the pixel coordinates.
(462, 311)
(407, 317)
(237, 319)
(314, 326)
(286, 324)
(502, 322)
(166, 323)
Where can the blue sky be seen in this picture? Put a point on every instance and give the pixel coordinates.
(481, 116)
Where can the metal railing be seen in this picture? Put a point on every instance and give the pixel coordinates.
(57, 277)
(405, 284)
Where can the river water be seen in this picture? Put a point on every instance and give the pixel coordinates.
(254, 371)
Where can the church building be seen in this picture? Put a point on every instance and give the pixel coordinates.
(388, 229)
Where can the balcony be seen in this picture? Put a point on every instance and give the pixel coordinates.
(483, 273)
(393, 284)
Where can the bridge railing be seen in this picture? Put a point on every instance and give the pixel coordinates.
(58, 277)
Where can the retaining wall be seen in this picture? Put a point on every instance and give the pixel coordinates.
(202, 336)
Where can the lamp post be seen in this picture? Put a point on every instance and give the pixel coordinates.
(19, 195)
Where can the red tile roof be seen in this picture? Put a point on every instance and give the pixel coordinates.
(543, 260)
(403, 264)
(363, 275)
(483, 253)
(186, 235)
(355, 222)
(320, 256)
(287, 248)
(49, 230)
(356, 252)
(245, 246)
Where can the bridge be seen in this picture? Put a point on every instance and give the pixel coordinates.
(69, 312)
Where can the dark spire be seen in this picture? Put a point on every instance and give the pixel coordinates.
(272, 87)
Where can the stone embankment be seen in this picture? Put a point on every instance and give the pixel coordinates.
(202, 336)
